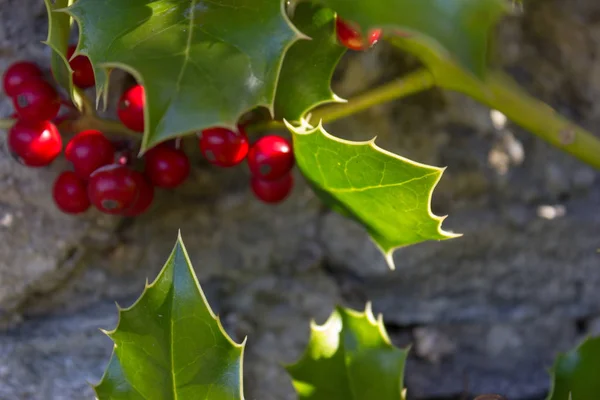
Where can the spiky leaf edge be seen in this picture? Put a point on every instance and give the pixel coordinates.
(333, 97)
(59, 63)
(369, 316)
(179, 243)
(103, 81)
(306, 129)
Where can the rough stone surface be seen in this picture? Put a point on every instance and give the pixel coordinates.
(485, 313)
(40, 247)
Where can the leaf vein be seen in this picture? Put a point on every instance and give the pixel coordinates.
(389, 185)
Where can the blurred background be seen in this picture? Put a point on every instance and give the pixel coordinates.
(485, 313)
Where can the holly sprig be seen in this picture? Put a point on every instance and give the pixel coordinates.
(207, 78)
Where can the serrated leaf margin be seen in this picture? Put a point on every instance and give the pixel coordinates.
(103, 81)
(338, 311)
(58, 55)
(179, 244)
(333, 98)
(306, 129)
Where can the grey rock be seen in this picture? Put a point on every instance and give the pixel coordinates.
(56, 358)
(557, 181)
(488, 365)
(583, 179)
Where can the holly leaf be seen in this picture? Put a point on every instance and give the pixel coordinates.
(170, 345)
(350, 357)
(457, 29)
(59, 28)
(203, 63)
(575, 373)
(308, 65)
(386, 193)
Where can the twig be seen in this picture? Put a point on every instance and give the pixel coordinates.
(502, 93)
(412, 83)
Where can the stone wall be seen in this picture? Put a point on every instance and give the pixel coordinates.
(485, 313)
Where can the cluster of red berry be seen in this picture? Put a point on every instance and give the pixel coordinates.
(101, 176)
(270, 159)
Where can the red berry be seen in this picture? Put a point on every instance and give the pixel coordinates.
(270, 158)
(352, 38)
(272, 191)
(166, 166)
(113, 188)
(143, 198)
(88, 151)
(131, 108)
(83, 72)
(37, 100)
(224, 147)
(70, 193)
(35, 143)
(17, 74)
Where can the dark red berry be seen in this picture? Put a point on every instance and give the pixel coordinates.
(88, 151)
(113, 188)
(352, 38)
(35, 143)
(270, 158)
(143, 198)
(37, 100)
(70, 193)
(224, 147)
(131, 108)
(83, 72)
(272, 191)
(17, 74)
(166, 166)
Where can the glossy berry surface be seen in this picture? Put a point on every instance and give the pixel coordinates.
(83, 72)
(88, 151)
(351, 38)
(113, 188)
(17, 74)
(70, 193)
(36, 100)
(272, 191)
(143, 198)
(131, 108)
(166, 166)
(35, 143)
(270, 158)
(224, 147)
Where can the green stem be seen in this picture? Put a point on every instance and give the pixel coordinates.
(412, 83)
(89, 119)
(502, 93)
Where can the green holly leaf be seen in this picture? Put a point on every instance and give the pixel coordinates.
(170, 345)
(457, 29)
(388, 194)
(350, 357)
(203, 63)
(59, 28)
(575, 373)
(309, 64)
